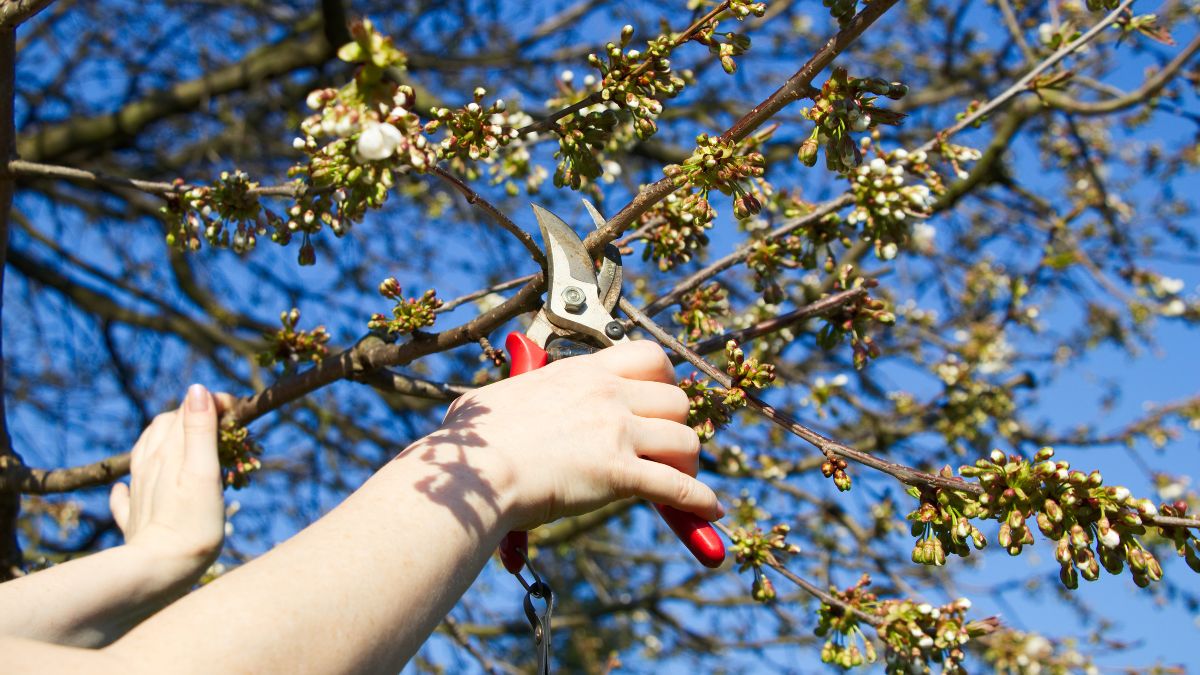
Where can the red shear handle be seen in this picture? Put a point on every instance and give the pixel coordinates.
(697, 534)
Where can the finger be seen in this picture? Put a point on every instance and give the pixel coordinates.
(656, 399)
(118, 503)
(200, 433)
(156, 433)
(224, 402)
(668, 443)
(637, 360)
(663, 484)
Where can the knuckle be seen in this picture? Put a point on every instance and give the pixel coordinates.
(685, 489)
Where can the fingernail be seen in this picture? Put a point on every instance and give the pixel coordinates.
(720, 510)
(198, 399)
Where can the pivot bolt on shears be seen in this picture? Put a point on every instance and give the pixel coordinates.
(576, 318)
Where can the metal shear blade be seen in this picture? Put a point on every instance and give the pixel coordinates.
(573, 293)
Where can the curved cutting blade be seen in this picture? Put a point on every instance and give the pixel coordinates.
(571, 271)
(609, 277)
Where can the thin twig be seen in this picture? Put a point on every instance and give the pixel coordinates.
(815, 308)
(20, 167)
(474, 199)
(808, 586)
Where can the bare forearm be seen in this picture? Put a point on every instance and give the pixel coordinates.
(65, 605)
(360, 590)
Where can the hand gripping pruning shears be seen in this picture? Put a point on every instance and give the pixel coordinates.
(575, 319)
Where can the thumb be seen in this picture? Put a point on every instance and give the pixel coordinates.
(118, 503)
(200, 433)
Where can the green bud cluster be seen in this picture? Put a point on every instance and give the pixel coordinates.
(408, 315)
(580, 140)
(289, 345)
(915, 634)
(473, 131)
(712, 406)
(374, 50)
(716, 164)
(700, 309)
(744, 8)
(855, 318)
(226, 214)
(942, 523)
(725, 46)
(842, 10)
(847, 647)
(753, 549)
(845, 106)
(238, 454)
(1094, 525)
(677, 228)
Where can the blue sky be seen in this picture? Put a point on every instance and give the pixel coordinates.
(1165, 372)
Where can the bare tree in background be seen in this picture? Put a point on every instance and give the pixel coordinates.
(922, 216)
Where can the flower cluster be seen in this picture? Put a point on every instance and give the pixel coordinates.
(677, 227)
(409, 314)
(884, 205)
(472, 131)
(289, 345)
(917, 634)
(227, 214)
(712, 406)
(238, 453)
(700, 309)
(356, 141)
(636, 80)
(1020, 653)
(846, 105)
(914, 634)
(716, 164)
(752, 549)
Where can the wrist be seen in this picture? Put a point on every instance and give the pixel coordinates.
(168, 568)
(443, 463)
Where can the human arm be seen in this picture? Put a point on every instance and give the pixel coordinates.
(172, 516)
(361, 589)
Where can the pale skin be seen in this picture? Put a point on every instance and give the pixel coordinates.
(362, 588)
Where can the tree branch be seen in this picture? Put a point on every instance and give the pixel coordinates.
(15, 12)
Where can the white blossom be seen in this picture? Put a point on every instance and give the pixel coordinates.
(378, 141)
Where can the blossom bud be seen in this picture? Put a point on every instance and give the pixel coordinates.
(378, 141)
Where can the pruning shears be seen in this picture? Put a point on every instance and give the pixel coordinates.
(576, 319)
